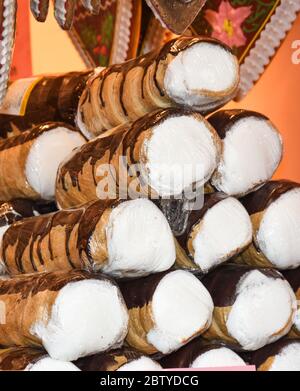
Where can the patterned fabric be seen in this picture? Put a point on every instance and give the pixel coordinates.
(106, 38)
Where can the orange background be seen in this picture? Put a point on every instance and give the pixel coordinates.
(277, 94)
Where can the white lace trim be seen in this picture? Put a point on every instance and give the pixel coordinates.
(265, 47)
(122, 32)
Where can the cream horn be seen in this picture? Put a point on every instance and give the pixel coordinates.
(12, 211)
(29, 162)
(283, 355)
(39, 9)
(172, 148)
(32, 101)
(252, 151)
(275, 213)
(70, 314)
(124, 359)
(64, 13)
(129, 238)
(166, 311)
(198, 354)
(293, 277)
(31, 359)
(215, 233)
(196, 72)
(253, 307)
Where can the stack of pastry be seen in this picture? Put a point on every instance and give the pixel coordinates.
(196, 266)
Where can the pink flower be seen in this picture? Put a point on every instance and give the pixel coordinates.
(226, 23)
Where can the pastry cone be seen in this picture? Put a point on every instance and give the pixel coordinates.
(32, 101)
(198, 354)
(253, 307)
(93, 6)
(176, 15)
(29, 162)
(166, 311)
(173, 149)
(275, 213)
(215, 233)
(31, 359)
(200, 73)
(71, 314)
(283, 355)
(252, 151)
(293, 277)
(130, 238)
(39, 9)
(64, 13)
(124, 359)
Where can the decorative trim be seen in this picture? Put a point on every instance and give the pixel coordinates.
(8, 19)
(122, 32)
(266, 45)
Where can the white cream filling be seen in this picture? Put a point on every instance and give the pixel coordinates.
(48, 364)
(203, 66)
(219, 357)
(279, 232)
(288, 359)
(252, 151)
(45, 155)
(181, 151)
(181, 308)
(139, 240)
(225, 229)
(141, 364)
(262, 312)
(87, 317)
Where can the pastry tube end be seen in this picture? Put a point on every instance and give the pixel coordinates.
(218, 231)
(71, 314)
(275, 213)
(204, 75)
(124, 359)
(196, 72)
(166, 311)
(242, 295)
(252, 151)
(29, 161)
(31, 359)
(199, 354)
(283, 355)
(139, 240)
